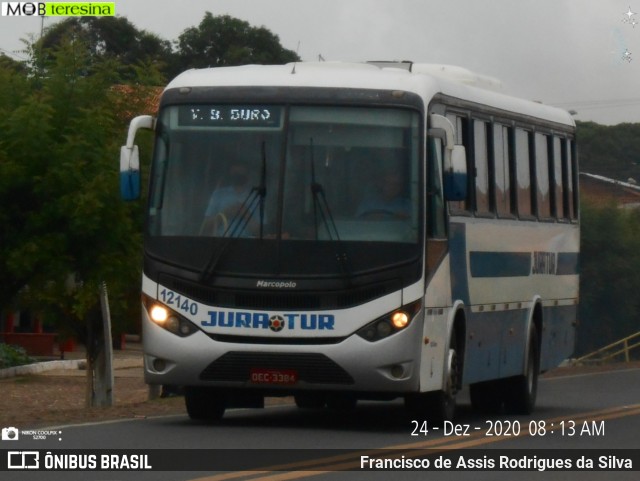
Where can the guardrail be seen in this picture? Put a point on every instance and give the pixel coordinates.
(604, 354)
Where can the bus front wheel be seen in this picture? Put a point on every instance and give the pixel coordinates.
(204, 404)
(443, 403)
(439, 406)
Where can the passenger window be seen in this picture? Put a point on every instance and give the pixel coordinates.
(482, 168)
(573, 180)
(501, 169)
(557, 177)
(542, 177)
(567, 187)
(523, 172)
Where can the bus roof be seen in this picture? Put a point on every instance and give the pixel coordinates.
(426, 80)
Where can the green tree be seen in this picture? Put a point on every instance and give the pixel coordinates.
(65, 230)
(226, 41)
(13, 182)
(105, 38)
(609, 282)
(8, 64)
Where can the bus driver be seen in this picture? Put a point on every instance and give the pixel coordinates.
(226, 201)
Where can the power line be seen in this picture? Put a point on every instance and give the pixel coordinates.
(13, 54)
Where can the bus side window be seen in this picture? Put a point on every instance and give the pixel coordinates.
(557, 176)
(482, 167)
(502, 170)
(436, 227)
(523, 173)
(573, 179)
(542, 176)
(567, 188)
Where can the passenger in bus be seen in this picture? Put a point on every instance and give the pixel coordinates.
(226, 201)
(389, 201)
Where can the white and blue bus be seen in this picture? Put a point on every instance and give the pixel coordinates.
(337, 232)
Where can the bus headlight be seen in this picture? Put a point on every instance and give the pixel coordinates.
(390, 323)
(168, 319)
(400, 319)
(159, 314)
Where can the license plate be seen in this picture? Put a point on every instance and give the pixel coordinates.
(273, 376)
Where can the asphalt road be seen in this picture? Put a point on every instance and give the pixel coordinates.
(575, 416)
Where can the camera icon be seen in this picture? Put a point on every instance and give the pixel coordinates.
(10, 434)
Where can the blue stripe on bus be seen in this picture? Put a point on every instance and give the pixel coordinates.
(458, 262)
(516, 264)
(500, 264)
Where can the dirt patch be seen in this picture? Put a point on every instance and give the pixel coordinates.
(46, 400)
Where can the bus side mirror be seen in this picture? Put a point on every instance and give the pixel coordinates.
(130, 159)
(129, 173)
(455, 173)
(455, 160)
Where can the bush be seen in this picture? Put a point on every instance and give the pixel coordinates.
(11, 356)
(609, 280)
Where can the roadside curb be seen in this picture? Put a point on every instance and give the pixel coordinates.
(73, 364)
(39, 367)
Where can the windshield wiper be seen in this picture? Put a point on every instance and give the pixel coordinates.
(321, 207)
(262, 188)
(320, 204)
(240, 220)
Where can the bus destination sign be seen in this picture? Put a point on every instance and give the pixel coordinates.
(230, 116)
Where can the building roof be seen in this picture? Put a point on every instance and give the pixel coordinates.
(602, 190)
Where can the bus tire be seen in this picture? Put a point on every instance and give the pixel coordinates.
(438, 406)
(521, 391)
(443, 403)
(204, 404)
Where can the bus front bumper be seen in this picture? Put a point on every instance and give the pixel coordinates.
(390, 365)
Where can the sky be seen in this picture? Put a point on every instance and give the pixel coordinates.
(581, 55)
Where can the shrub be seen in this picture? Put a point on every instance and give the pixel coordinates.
(11, 356)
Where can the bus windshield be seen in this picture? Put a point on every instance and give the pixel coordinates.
(320, 180)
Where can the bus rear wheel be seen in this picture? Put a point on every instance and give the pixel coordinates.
(204, 404)
(521, 391)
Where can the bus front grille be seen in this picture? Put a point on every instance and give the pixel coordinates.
(311, 368)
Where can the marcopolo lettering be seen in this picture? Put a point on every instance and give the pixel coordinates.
(276, 284)
(276, 323)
